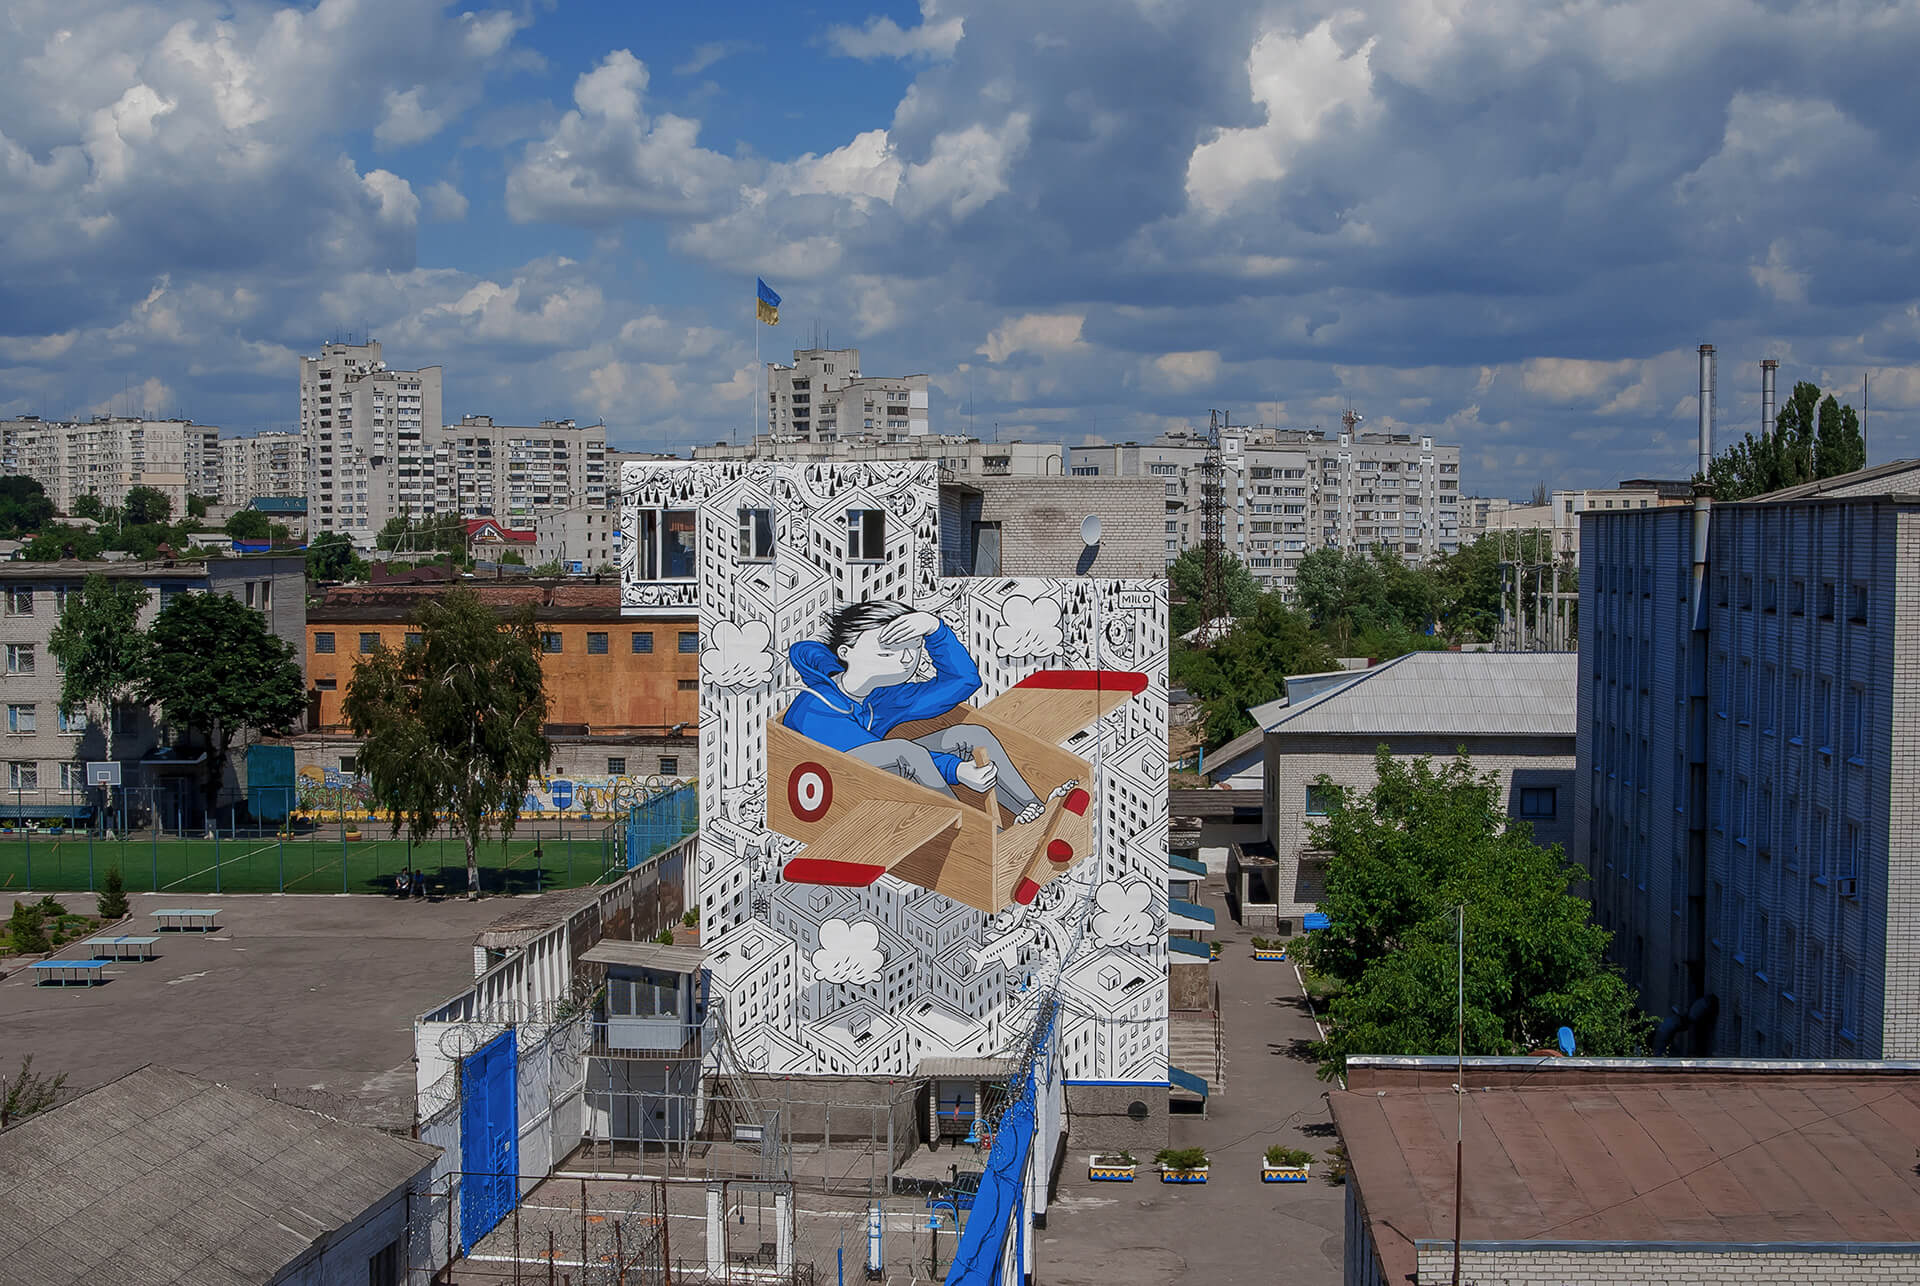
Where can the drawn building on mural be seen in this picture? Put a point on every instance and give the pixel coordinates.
(926, 801)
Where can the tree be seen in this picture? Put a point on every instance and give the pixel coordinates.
(196, 506)
(1249, 666)
(1810, 439)
(112, 903)
(551, 568)
(27, 926)
(24, 506)
(27, 1092)
(145, 505)
(454, 724)
(248, 524)
(1471, 595)
(87, 507)
(1188, 573)
(214, 668)
(57, 540)
(1403, 856)
(331, 557)
(101, 648)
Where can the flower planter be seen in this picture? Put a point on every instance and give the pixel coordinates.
(1284, 1173)
(1269, 953)
(1109, 1170)
(353, 834)
(1197, 1174)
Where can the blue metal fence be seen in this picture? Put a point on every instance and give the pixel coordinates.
(993, 1239)
(489, 1138)
(657, 824)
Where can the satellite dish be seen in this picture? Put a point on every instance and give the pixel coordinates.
(1090, 530)
(1566, 1041)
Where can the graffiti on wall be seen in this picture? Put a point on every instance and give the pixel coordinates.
(323, 792)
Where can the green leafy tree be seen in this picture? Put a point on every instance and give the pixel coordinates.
(1404, 855)
(1811, 439)
(1471, 598)
(88, 507)
(331, 557)
(24, 506)
(196, 506)
(27, 926)
(1188, 575)
(512, 558)
(27, 1092)
(1249, 666)
(213, 667)
(553, 568)
(57, 541)
(101, 648)
(248, 524)
(455, 724)
(146, 506)
(112, 904)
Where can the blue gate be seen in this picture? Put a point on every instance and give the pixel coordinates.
(659, 823)
(489, 1139)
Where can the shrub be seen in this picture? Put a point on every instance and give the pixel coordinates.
(691, 918)
(1181, 1158)
(113, 895)
(664, 937)
(27, 926)
(1280, 1154)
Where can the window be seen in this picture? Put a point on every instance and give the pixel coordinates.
(1762, 939)
(327, 685)
(75, 722)
(1746, 592)
(651, 995)
(689, 685)
(1737, 927)
(669, 765)
(73, 777)
(19, 600)
(1797, 597)
(349, 765)
(756, 535)
(643, 640)
(616, 765)
(20, 718)
(323, 642)
(549, 640)
(1740, 811)
(689, 640)
(1817, 845)
(1770, 595)
(1784, 969)
(1769, 692)
(23, 775)
(1790, 825)
(1763, 823)
(414, 639)
(369, 643)
(1796, 710)
(666, 544)
(383, 1267)
(1856, 730)
(596, 643)
(1826, 600)
(19, 658)
(986, 547)
(1852, 855)
(1743, 693)
(1320, 800)
(1857, 604)
(1847, 1001)
(1814, 990)
(867, 534)
(1538, 801)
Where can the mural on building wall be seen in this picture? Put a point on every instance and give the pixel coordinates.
(925, 801)
(320, 793)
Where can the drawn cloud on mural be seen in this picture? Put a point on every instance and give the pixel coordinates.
(1032, 627)
(1122, 919)
(848, 952)
(738, 656)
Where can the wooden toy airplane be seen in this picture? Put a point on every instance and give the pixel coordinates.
(860, 822)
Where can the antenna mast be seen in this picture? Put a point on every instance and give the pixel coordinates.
(1213, 592)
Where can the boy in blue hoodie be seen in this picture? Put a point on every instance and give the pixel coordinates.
(860, 687)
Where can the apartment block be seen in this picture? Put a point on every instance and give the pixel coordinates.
(515, 474)
(1561, 514)
(371, 434)
(583, 539)
(107, 456)
(1741, 806)
(266, 464)
(823, 396)
(1288, 491)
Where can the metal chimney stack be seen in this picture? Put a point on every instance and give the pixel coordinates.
(1706, 406)
(1767, 369)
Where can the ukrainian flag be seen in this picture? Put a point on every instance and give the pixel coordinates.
(768, 303)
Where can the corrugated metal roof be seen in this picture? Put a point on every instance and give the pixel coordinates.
(161, 1177)
(1895, 477)
(1572, 1150)
(1450, 694)
(646, 955)
(980, 1069)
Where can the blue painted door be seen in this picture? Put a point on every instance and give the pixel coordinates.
(489, 1138)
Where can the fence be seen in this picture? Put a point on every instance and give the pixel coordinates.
(661, 822)
(337, 859)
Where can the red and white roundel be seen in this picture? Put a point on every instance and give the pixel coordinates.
(810, 791)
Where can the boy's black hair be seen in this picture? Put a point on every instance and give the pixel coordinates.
(856, 619)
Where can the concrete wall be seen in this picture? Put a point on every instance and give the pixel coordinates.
(1605, 1264)
(1040, 525)
(340, 1258)
(1098, 1119)
(1189, 983)
(849, 1109)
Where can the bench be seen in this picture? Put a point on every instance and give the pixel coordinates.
(87, 972)
(121, 947)
(185, 918)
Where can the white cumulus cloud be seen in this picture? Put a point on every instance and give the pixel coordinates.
(849, 953)
(1031, 628)
(1121, 917)
(737, 655)
(882, 37)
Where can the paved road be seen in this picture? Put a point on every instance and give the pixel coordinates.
(1234, 1228)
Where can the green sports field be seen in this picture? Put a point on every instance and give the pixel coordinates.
(535, 859)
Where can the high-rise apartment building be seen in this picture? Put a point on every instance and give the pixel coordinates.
(266, 464)
(1742, 803)
(823, 397)
(514, 474)
(371, 436)
(107, 456)
(1288, 491)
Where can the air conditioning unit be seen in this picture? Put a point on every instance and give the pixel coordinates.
(1847, 886)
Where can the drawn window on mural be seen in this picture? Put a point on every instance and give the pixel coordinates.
(666, 544)
(756, 535)
(986, 549)
(867, 534)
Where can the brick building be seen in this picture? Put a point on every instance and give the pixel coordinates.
(1031, 526)
(1602, 1170)
(1513, 712)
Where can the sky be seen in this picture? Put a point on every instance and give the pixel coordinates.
(1506, 223)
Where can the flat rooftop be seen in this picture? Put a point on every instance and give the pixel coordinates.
(1634, 1150)
(312, 996)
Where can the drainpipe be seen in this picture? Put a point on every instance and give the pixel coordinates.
(1694, 943)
